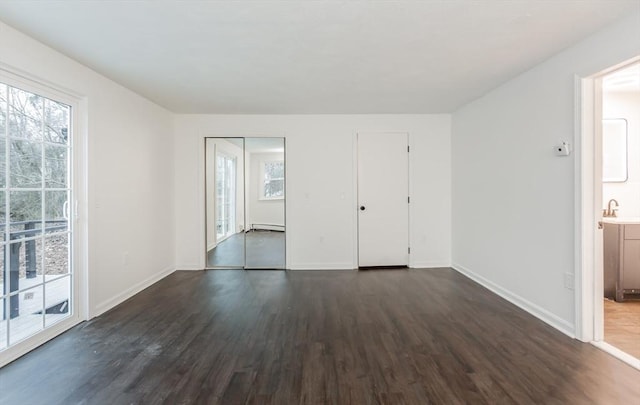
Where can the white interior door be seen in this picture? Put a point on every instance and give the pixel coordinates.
(383, 199)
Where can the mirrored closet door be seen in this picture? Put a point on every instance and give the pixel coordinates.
(245, 203)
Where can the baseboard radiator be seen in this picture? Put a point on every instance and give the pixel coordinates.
(266, 227)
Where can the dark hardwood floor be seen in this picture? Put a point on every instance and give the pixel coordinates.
(320, 337)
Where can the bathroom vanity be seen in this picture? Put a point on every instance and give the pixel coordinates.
(621, 258)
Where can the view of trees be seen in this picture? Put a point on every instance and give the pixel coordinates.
(34, 190)
(274, 179)
(34, 177)
(36, 131)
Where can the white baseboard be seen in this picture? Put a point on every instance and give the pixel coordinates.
(351, 266)
(106, 305)
(189, 267)
(617, 353)
(321, 266)
(553, 320)
(429, 265)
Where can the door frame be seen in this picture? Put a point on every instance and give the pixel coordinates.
(587, 236)
(356, 216)
(588, 257)
(78, 223)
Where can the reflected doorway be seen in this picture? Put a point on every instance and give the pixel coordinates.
(245, 203)
(225, 196)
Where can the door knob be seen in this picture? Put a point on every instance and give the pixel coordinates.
(362, 208)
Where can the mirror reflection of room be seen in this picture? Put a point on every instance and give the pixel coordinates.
(245, 203)
(621, 208)
(224, 166)
(265, 203)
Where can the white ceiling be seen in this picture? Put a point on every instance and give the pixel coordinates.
(312, 56)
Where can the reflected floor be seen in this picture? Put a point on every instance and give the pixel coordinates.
(265, 249)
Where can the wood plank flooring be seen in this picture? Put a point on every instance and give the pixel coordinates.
(622, 325)
(319, 337)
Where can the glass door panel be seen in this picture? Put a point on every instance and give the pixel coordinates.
(35, 270)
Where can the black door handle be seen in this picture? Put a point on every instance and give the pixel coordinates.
(362, 208)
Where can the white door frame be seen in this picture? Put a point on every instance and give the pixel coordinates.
(589, 273)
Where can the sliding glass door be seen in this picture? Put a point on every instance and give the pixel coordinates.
(225, 196)
(36, 276)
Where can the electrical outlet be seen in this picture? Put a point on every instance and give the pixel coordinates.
(568, 281)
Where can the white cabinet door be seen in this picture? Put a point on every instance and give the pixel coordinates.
(383, 205)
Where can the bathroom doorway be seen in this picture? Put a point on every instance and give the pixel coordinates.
(607, 198)
(620, 148)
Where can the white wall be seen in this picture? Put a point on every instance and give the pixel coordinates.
(321, 199)
(263, 211)
(513, 200)
(130, 173)
(625, 105)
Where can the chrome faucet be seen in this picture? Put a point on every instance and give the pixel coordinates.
(611, 211)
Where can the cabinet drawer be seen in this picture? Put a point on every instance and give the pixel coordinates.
(632, 231)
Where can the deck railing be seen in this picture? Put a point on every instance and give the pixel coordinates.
(29, 230)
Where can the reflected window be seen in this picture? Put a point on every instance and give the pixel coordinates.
(273, 180)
